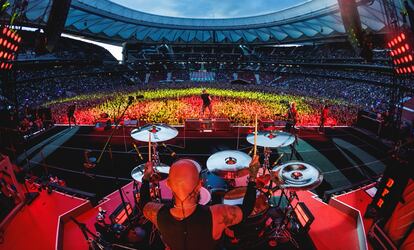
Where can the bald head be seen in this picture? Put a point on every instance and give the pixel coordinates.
(184, 178)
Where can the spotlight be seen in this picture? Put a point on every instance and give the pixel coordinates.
(402, 36)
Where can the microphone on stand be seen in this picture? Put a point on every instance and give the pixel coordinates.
(172, 153)
(137, 150)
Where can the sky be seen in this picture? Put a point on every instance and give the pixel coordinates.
(209, 8)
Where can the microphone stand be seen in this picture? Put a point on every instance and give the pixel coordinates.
(108, 145)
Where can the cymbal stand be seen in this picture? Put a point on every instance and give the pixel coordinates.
(155, 159)
(94, 241)
(282, 230)
(108, 145)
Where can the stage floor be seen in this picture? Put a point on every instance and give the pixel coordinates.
(345, 156)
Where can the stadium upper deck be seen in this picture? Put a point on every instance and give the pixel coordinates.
(105, 20)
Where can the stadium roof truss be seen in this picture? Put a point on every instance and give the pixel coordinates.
(108, 21)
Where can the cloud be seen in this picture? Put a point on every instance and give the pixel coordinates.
(208, 8)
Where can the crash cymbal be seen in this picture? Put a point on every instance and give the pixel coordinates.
(159, 133)
(272, 139)
(229, 164)
(161, 172)
(297, 175)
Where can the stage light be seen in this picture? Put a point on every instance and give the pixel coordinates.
(406, 59)
(402, 48)
(4, 30)
(412, 68)
(398, 61)
(405, 70)
(409, 69)
(392, 53)
(402, 36)
(19, 39)
(2, 65)
(5, 55)
(399, 39)
(9, 33)
(9, 45)
(407, 47)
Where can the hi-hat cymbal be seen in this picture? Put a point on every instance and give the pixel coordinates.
(158, 132)
(229, 164)
(161, 172)
(297, 175)
(272, 139)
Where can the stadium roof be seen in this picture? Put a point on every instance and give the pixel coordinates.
(105, 20)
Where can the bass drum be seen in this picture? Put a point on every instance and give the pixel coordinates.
(255, 230)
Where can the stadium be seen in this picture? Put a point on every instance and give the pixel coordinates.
(206, 124)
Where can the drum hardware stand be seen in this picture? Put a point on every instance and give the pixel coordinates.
(281, 230)
(94, 241)
(108, 145)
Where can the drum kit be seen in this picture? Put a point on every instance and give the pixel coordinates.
(225, 178)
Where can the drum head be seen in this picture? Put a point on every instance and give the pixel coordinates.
(205, 196)
(236, 196)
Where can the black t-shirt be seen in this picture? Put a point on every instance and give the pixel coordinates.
(206, 99)
(194, 232)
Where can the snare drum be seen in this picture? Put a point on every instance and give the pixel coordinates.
(236, 196)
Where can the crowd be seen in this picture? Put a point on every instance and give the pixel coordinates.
(173, 106)
(57, 88)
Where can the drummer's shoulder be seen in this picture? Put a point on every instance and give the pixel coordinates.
(151, 210)
(226, 214)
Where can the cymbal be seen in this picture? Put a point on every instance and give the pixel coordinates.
(229, 164)
(297, 175)
(159, 133)
(161, 172)
(272, 139)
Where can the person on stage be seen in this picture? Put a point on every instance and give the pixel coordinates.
(206, 102)
(71, 114)
(186, 224)
(292, 117)
(324, 117)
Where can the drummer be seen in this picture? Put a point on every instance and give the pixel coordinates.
(186, 224)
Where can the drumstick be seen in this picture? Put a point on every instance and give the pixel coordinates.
(149, 146)
(255, 137)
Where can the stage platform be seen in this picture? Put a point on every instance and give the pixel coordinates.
(347, 158)
(40, 225)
